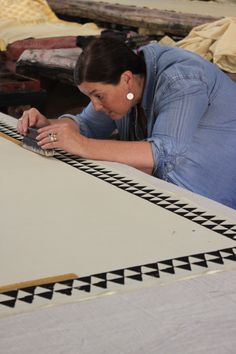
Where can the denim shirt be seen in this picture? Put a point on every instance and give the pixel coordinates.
(190, 107)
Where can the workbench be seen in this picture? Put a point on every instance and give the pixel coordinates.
(99, 257)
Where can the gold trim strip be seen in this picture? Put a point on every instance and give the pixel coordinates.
(37, 282)
(15, 141)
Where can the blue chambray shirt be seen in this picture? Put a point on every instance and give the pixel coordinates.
(190, 107)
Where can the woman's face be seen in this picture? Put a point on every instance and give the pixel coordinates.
(110, 99)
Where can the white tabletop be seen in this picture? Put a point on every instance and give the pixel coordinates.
(154, 262)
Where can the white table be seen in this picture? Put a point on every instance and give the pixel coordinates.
(152, 265)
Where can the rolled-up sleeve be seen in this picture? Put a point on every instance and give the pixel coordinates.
(182, 104)
(93, 124)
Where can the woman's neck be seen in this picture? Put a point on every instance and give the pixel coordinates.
(139, 88)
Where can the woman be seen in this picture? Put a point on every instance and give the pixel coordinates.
(174, 111)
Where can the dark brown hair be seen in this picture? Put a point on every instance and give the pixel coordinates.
(105, 59)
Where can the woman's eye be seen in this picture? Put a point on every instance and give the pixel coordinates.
(99, 97)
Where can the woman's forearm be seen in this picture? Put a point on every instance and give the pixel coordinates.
(137, 154)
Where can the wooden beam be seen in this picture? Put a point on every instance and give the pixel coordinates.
(148, 21)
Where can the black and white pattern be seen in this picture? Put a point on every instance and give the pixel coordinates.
(151, 195)
(120, 277)
(138, 273)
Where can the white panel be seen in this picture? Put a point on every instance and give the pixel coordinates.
(56, 220)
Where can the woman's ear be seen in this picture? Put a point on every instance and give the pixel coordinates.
(127, 76)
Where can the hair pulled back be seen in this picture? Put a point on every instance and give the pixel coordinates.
(104, 59)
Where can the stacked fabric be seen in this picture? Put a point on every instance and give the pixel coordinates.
(24, 19)
(214, 41)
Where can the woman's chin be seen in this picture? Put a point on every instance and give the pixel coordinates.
(115, 116)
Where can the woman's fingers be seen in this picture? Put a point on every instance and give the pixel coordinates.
(51, 134)
(27, 119)
(23, 123)
(19, 126)
(61, 134)
(45, 144)
(48, 139)
(50, 128)
(31, 118)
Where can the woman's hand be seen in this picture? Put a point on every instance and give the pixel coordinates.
(63, 134)
(31, 118)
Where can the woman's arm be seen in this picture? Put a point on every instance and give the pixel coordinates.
(137, 154)
(180, 111)
(69, 138)
(93, 124)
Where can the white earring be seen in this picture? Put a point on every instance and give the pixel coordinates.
(130, 96)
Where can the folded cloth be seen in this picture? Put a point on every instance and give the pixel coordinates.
(14, 50)
(64, 58)
(214, 41)
(23, 19)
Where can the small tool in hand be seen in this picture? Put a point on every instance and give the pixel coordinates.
(29, 142)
